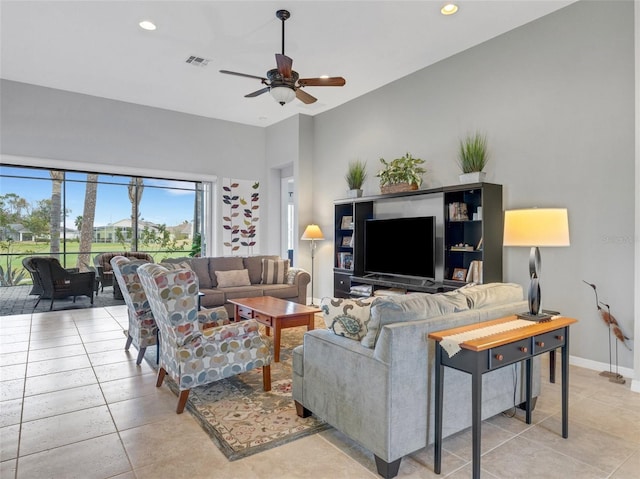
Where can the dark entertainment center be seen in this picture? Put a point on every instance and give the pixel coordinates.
(470, 246)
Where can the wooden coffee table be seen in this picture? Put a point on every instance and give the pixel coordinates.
(275, 313)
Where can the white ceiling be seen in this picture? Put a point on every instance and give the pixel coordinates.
(97, 48)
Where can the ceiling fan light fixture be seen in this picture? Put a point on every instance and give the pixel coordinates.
(449, 9)
(283, 94)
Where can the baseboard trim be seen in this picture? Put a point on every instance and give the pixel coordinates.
(598, 366)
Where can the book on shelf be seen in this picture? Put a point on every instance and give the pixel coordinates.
(346, 223)
(345, 261)
(361, 290)
(389, 292)
(474, 274)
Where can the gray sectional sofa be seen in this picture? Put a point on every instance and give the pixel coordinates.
(293, 287)
(376, 385)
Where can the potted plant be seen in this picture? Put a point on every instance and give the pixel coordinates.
(401, 174)
(472, 158)
(356, 174)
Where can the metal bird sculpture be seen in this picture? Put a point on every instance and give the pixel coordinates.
(609, 319)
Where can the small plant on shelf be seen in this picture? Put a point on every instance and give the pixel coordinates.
(401, 174)
(473, 157)
(356, 174)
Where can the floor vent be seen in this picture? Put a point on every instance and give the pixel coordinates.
(197, 61)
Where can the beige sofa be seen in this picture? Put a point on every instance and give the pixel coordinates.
(293, 287)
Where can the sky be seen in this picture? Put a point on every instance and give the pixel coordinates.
(163, 201)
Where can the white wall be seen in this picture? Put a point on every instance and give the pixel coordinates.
(555, 100)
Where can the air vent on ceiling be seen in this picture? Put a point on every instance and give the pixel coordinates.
(197, 61)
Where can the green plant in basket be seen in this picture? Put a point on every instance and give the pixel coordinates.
(472, 153)
(405, 169)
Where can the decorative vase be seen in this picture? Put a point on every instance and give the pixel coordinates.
(473, 177)
(354, 193)
(398, 188)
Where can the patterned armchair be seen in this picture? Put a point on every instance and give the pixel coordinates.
(143, 331)
(193, 356)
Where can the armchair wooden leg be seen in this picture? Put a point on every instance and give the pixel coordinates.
(140, 356)
(161, 373)
(182, 401)
(129, 340)
(266, 377)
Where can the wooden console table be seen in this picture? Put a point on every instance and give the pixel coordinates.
(484, 354)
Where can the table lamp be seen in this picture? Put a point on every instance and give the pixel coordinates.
(534, 228)
(312, 233)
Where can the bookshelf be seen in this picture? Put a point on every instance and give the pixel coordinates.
(471, 247)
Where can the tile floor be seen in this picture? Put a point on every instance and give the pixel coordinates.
(75, 405)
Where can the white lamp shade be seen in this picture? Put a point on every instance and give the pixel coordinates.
(312, 232)
(283, 94)
(536, 227)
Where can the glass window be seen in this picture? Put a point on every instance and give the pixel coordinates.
(96, 213)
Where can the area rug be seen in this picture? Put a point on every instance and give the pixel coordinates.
(239, 416)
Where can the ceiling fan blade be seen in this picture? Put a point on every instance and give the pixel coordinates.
(258, 92)
(304, 97)
(284, 65)
(333, 81)
(243, 75)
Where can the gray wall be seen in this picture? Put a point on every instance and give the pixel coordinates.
(555, 98)
(90, 131)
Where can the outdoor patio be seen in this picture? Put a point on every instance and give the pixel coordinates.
(16, 300)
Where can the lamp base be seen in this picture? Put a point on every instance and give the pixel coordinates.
(542, 317)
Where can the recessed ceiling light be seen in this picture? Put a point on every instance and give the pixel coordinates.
(147, 25)
(449, 9)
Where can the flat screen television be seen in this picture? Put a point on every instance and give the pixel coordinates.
(402, 247)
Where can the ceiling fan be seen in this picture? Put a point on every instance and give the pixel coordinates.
(284, 83)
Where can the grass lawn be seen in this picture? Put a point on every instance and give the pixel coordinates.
(69, 254)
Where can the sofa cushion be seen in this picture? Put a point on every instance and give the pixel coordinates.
(491, 294)
(201, 267)
(223, 263)
(241, 292)
(254, 265)
(211, 298)
(237, 277)
(282, 291)
(409, 307)
(347, 317)
(274, 271)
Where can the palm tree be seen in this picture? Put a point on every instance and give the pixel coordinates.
(136, 187)
(86, 232)
(78, 222)
(56, 210)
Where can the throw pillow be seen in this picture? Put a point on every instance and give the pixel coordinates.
(274, 271)
(347, 317)
(228, 279)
